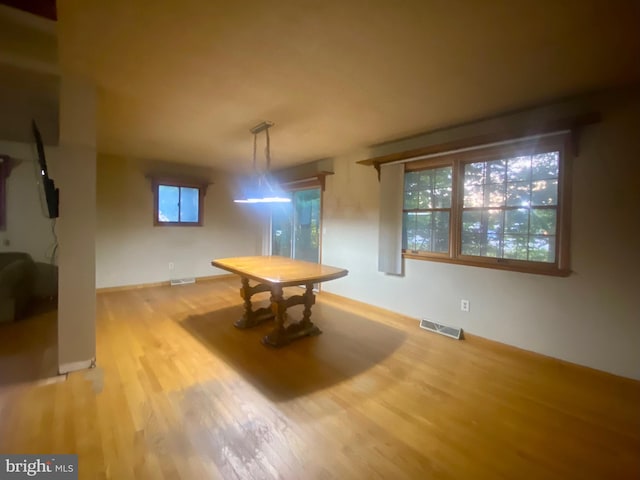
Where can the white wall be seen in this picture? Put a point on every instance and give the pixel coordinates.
(131, 251)
(590, 318)
(28, 229)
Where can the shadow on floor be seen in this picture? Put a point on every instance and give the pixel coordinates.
(350, 344)
(28, 347)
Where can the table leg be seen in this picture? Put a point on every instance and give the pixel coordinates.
(306, 327)
(309, 300)
(251, 317)
(276, 337)
(281, 336)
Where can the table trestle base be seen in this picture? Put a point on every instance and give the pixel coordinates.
(282, 334)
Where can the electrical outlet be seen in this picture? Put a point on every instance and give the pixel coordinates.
(464, 305)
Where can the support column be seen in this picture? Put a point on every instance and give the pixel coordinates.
(75, 175)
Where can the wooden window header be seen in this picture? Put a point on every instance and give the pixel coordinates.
(310, 181)
(572, 124)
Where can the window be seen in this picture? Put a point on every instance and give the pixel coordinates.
(295, 226)
(503, 207)
(177, 203)
(427, 210)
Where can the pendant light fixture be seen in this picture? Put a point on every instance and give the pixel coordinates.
(262, 187)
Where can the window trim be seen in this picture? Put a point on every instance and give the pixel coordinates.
(561, 267)
(7, 164)
(156, 182)
(436, 163)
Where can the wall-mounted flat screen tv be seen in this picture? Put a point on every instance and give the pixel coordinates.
(49, 190)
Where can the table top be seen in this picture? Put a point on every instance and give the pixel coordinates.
(281, 271)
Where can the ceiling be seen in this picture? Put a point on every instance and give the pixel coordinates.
(185, 81)
(27, 95)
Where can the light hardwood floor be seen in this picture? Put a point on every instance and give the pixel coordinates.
(180, 393)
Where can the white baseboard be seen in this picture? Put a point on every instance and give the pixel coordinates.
(74, 366)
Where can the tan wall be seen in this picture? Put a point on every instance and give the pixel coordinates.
(590, 318)
(131, 251)
(75, 174)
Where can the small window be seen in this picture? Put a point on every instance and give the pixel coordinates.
(177, 203)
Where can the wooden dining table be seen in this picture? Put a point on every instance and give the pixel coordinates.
(273, 274)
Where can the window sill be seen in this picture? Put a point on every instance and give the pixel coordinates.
(178, 224)
(502, 264)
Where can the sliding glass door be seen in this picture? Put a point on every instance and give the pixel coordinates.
(295, 226)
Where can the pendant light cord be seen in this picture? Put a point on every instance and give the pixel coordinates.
(262, 127)
(268, 152)
(255, 143)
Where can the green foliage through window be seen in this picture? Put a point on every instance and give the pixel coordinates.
(500, 206)
(510, 207)
(295, 226)
(427, 210)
